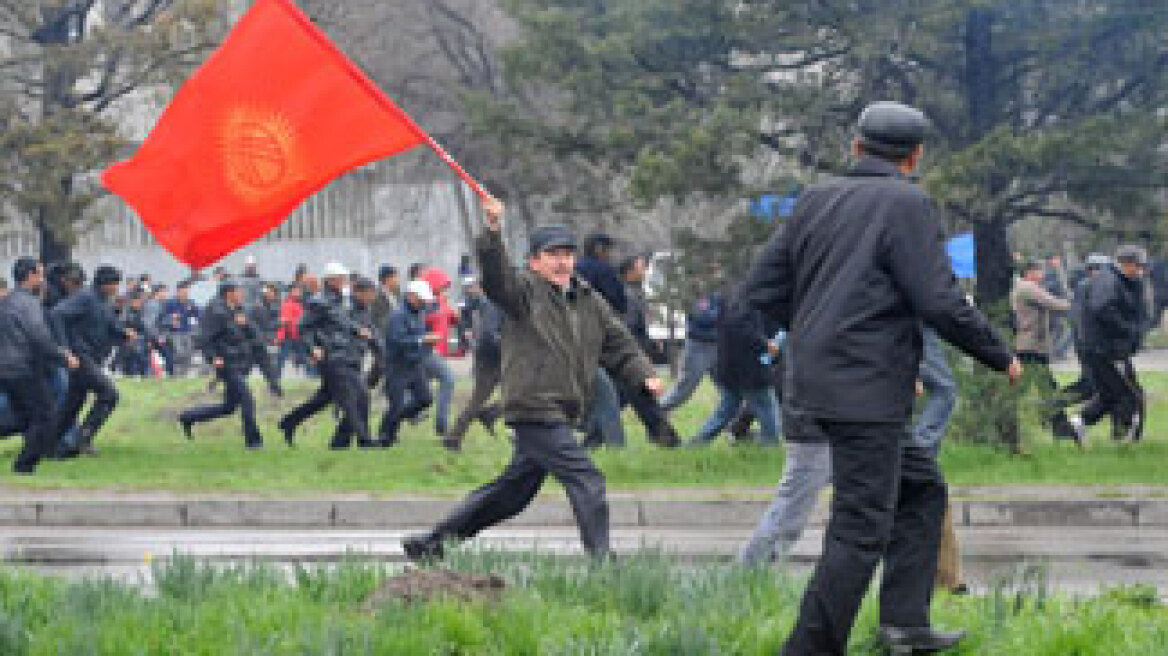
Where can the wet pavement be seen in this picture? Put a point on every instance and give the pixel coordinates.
(1080, 561)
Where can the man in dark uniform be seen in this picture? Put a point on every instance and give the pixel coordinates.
(87, 325)
(851, 277)
(557, 331)
(406, 346)
(228, 338)
(1113, 318)
(336, 344)
(26, 347)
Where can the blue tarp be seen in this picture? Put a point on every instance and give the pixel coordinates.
(960, 250)
(772, 206)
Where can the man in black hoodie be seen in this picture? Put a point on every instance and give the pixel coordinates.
(88, 326)
(26, 347)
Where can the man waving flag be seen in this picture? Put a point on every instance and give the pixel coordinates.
(274, 115)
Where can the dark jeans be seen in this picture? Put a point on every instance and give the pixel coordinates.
(1117, 392)
(341, 385)
(236, 395)
(539, 450)
(32, 402)
(889, 504)
(83, 380)
(487, 373)
(1038, 374)
(403, 379)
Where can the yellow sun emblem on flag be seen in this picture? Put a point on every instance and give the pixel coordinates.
(260, 153)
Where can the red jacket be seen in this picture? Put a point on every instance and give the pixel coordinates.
(291, 310)
(441, 319)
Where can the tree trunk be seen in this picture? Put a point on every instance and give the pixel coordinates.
(53, 248)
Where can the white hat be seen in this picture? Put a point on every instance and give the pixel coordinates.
(251, 260)
(421, 289)
(335, 269)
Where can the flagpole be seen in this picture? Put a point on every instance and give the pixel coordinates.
(379, 95)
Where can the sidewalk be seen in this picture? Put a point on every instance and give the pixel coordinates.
(731, 508)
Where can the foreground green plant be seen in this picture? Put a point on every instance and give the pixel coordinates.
(640, 605)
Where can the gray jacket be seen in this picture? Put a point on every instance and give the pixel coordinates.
(26, 344)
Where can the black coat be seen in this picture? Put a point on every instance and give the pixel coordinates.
(26, 344)
(851, 276)
(327, 324)
(88, 325)
(742, 347)
(226, 332)
(1113, 314)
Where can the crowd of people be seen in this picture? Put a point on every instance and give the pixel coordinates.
(826, 344)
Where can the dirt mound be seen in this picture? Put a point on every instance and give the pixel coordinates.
(422, 585)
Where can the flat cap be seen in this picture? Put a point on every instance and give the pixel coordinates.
(1131, 254)
(546, 238)
(892, 129)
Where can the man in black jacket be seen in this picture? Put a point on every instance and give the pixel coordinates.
(228, 338)
(1114, 314)
(27, 347)
(336, 345)
(407, 344)
(851, 277)
(88, 326)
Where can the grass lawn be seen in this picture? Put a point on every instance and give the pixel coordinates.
(638, 606)
(143, 449)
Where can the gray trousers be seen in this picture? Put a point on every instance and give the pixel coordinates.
(487, 372)
(696, 361)
(806, 472)
(539, 450)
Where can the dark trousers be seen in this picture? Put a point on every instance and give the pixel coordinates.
(1117, 392)
(647, 409)
(539, 450)
(889, 504)
(340, 384)
(32, 402)
(1038, 374)
(236, 396)
(487, 373)
(403, 379)
(83, 380)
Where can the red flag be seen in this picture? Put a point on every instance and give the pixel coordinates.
(274, 115)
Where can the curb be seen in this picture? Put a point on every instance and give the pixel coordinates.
(626, 511)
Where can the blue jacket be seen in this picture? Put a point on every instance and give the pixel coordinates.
(602, 277)
(404, 348)
(702, 322)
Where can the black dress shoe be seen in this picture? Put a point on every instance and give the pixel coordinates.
(452, 444)
(186, 428)
(423, 548)
(289, 432)
(920, 640)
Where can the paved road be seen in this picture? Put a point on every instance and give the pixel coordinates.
(1077, 560)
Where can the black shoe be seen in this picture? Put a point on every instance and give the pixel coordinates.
(923, 640)
(488, 418)
(186, 428)
(24, 468)
(452, 444)
(254, 446)
(289, 432)
(667, 438)
(386, 442)
(423, 549)
(366, 444)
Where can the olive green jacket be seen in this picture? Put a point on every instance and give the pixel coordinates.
(554, 341)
